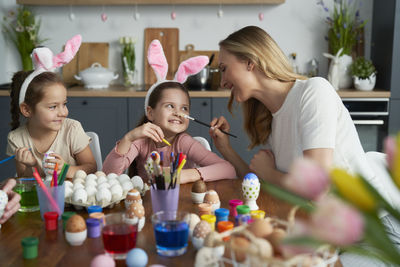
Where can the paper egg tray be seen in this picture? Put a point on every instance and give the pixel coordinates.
(103, 204)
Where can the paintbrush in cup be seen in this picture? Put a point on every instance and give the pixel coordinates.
(200, 122)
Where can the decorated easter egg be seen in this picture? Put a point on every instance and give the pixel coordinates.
(135, 210)
(211, 197)
(136, 257)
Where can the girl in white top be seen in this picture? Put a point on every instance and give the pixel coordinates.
(41, 97)
(292, 115)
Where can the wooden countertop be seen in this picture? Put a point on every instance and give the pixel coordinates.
(55, 251)
(121, 91)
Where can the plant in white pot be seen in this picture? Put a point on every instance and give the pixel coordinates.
(364, 74)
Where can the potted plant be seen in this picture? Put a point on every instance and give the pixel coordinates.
(22, 28)
(364, 74)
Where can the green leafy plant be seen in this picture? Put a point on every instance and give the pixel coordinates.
(128, 59)
(344, 25)
(22, 28)
(362, 68)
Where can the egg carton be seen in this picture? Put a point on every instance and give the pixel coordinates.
(103, 204)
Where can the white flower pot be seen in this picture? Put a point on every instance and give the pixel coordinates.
(345, 80)
(365, 84)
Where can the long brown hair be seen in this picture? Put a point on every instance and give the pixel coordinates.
(253, 44)
(34, 92)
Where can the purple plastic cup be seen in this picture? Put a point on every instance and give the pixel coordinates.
(166, 200)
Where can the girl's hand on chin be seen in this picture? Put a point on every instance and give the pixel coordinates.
(51, 163)
(25, 156)
(147, 130)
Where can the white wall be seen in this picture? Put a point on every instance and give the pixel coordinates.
(297, 26)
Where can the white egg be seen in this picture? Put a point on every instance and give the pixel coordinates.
(112, 175)
(103, 185)
(101, 180)
(127, 185)
(80, 174)
(68, 184)
(91, 191)
(79, 196)
(91, 176)
(103, 195)
(3, 201)
(68, 192)
(90, 183)
(116, 192)
(123, 177)
(77, 186)
(137, 183)
(79, 181)
(113, 181)
(100, 173)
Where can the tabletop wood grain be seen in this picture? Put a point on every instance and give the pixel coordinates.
(55, 251)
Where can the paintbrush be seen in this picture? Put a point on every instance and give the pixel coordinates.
(202, 123)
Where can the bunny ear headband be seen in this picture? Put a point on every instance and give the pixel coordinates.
(43, 60)
(159, 64)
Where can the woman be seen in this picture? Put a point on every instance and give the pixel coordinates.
(292, 115)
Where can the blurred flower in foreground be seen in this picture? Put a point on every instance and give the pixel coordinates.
(392, 147)
(307, 179)
(352, 189)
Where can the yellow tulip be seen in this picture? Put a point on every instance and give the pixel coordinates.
(396, 163)
(352, 189)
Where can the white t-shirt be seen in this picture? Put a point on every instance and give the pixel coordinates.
(313, 116)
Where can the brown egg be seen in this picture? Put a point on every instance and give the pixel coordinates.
(75, 224)
(202, 229)
(275, 238)
(199, 187)
(135, 210)
(133, 196)
(211, 197)
(239, 245)
(260, 228)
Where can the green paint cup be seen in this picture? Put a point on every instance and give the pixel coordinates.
(30, 247)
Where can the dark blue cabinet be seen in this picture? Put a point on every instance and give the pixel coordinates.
(7, 169)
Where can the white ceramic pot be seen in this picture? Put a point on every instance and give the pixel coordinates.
(96, 77)
(365, 84)
(345, 80)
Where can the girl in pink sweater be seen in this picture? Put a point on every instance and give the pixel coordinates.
(161, 121)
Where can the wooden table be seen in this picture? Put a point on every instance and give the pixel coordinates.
(55, 251)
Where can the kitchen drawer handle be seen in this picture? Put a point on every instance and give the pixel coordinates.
(368, 122)
(84, 102)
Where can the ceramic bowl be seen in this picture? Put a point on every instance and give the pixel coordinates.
(96, 77)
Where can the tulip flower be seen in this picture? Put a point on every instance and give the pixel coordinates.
(352, 189)
(392, 148)
(336, 222)
(307, 179)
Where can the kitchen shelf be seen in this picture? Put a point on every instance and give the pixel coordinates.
(145, 2)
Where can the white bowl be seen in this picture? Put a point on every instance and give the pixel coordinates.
(96, 77)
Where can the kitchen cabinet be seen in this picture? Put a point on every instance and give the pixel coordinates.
(7, 169)
(146, 2)
(108, 117)
(385, 53)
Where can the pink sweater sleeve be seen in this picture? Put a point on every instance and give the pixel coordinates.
(116, 162)
(212, 167)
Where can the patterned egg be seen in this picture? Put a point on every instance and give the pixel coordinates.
(75, 224)
(135, 210)
(211, 197)
(202, 229)
(133, 196)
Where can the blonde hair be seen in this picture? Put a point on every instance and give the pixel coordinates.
(253, 44)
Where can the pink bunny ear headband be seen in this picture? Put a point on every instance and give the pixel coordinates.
(43, 60)
(159, 64)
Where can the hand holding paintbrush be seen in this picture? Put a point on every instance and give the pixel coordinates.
(185, 116)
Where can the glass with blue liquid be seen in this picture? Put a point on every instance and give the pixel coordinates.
(171, 230)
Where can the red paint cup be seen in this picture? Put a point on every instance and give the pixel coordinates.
(51, 220)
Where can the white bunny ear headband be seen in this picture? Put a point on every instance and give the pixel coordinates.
(159, 64)
(43, 60)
